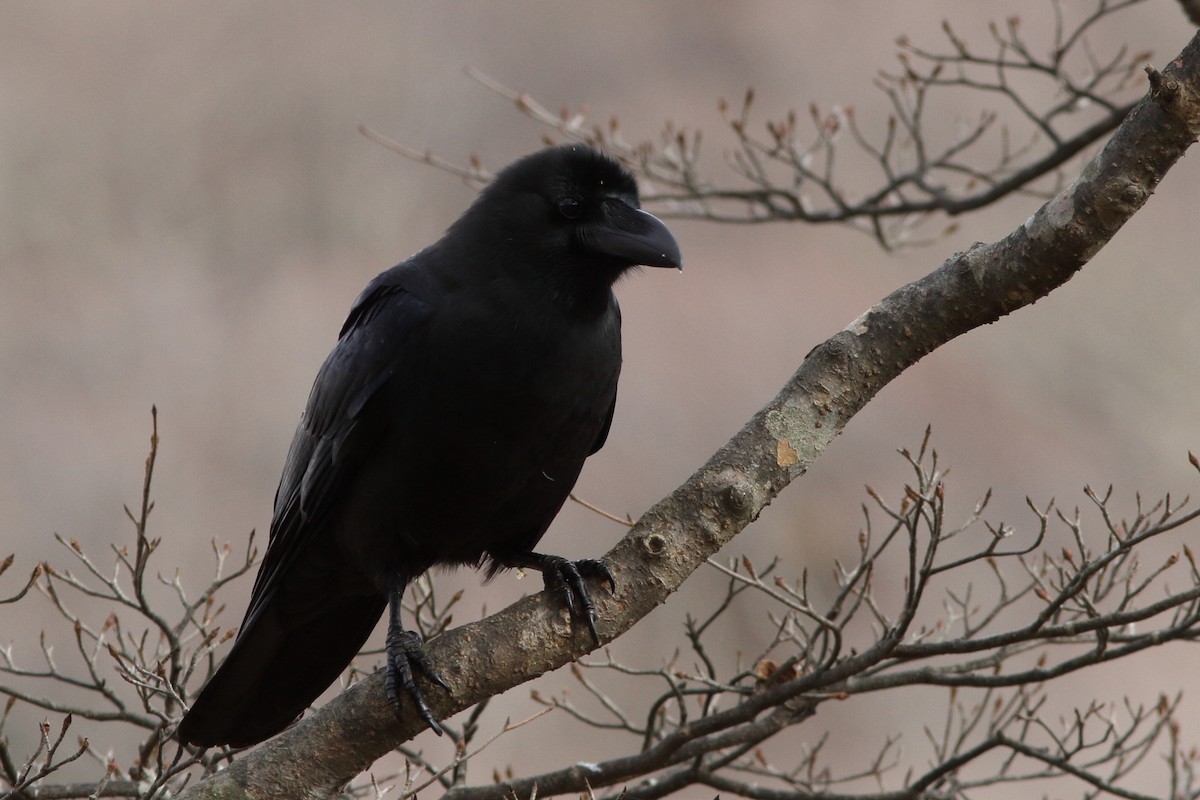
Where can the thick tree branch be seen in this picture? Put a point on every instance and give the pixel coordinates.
(836, 380)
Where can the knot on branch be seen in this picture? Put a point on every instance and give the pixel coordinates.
(1176, 98)
(1164, 91)
(654, 544)
(738, 496)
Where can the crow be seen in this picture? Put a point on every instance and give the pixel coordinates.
(447, 427)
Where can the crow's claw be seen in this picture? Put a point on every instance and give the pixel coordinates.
(568, 579)
(404, 655)
(596, 569)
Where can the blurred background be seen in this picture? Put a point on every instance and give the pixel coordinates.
(187, 211)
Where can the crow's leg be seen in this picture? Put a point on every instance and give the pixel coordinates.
(567, 579)
(404, 655)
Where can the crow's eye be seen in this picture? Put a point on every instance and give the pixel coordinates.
(570, 207)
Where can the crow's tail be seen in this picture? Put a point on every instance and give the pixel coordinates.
(276, 669)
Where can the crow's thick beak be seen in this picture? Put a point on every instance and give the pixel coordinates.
(634, 235)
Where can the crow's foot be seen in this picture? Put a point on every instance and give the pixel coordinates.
(568, 579)
(405, 656)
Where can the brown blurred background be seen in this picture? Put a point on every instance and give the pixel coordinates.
(187, 211)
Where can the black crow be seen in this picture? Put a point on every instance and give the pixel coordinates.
(447, 427)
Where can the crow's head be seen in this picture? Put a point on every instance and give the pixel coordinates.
(570, 215)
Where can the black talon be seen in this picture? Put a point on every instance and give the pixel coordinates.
(405, 657)
(595, 568)
(568, 579)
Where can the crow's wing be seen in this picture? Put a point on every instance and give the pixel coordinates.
(298, 633)
(334, 435)
(602, 437)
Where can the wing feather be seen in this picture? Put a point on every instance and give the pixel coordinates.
(334, 434)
